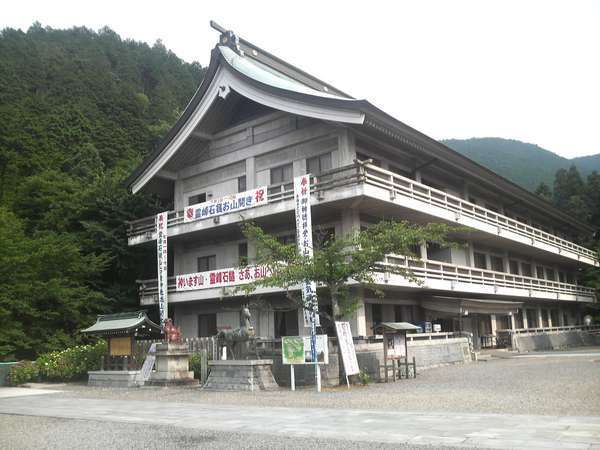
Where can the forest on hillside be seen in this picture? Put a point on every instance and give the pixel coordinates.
(79, 109)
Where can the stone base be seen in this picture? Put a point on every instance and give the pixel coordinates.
(114, 378)
(172, 366)
(240, 375)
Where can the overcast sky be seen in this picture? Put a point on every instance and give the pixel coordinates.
(527, 70)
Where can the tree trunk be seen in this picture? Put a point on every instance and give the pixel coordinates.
(335, 307)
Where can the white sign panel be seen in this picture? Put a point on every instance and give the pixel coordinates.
(221, 278)
(305, 246)
(161, 258)
(148, 363)
(227, 204)
(344, 334)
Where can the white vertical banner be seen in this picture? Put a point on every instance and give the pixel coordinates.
(305, 246)
(161, 258)
(344, 334)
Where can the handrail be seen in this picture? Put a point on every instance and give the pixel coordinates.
(552, 329)
(396, 184)
(437, 270)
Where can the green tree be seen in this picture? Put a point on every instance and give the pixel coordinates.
(338, 260)
(544, 191)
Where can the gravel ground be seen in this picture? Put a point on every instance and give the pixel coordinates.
(23, 432)
(546, 386)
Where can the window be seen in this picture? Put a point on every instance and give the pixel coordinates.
(513, 266)
(532, 318)
(550, 274)
(206, 263)
(399, 171)
(286, 323)
(497, 263)
(322, 236)
(376, 314)
(287, 239)
(207, 325)
(562, 277)
(480, 260)
(491, 207)
(436, 253)
(281, 174)
(242, 183)
(526, 270)
(318, 164)
(198, 198)
(473, 200)
(539, 271)
(243, 254)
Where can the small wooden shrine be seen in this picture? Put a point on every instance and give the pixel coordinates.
(395, 348)
(121, 331)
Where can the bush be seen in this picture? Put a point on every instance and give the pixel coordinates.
(71, 363)
(22, 372)
(364, 377)
(195, 364)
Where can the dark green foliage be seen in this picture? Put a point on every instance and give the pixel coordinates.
(79, 110)
(525, 164)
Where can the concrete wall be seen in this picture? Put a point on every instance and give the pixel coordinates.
(428, 354)
(554, 340)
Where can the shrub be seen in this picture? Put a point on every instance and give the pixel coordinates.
(71, 363)
(22, 372)
(364, 377)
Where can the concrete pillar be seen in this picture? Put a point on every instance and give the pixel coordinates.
(512, 322)
(540, 317)
(493, 323)
(418, 176)
(549, 314)
(347, 148)
(470, 254)
(358, 323)
(350, 222)
(561, 317)
(524, 313)
(423, 248)
(302, 330)
(250, 173)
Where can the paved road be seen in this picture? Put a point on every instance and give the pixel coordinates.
(368, 426)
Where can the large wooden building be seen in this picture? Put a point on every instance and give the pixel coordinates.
(258, 121)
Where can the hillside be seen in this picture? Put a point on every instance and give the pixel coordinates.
(525, 164)
(78, 110)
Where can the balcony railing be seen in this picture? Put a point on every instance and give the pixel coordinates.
(434, 270)
(361, 173)
(427, 270)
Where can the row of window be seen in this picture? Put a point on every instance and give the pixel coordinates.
(516, 267)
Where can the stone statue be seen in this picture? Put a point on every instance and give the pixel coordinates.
(242, 335)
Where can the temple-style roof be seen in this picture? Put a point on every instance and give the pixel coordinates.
(393, 327)
(123, 324)
(254, 74)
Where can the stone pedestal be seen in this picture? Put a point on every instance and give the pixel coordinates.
(172, 366)
(114, 378)
(241, 375)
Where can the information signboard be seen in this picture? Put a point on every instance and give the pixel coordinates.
(297, 349)
(344, 334)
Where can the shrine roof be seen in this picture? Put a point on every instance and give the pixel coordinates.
(123, 323)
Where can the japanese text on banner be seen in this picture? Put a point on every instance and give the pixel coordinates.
(161, 258)
(227, 204)
(305, 246)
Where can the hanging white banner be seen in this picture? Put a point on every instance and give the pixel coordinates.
(233, 276)
(161, 258)
(305, 246)
(226, 204)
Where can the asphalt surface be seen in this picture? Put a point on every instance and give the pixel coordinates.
(552, 389)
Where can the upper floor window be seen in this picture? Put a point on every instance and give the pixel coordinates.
(526, 270)
(206, 263)
(539, 270)
(479, 260)
(282, 174)
(550, 274)
(318, 164)
(198, 198)
(242, 183)
(243, 254)
(497, 263)
(513, 266)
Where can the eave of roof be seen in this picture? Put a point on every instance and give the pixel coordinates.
(124, 322)
(373, 115)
